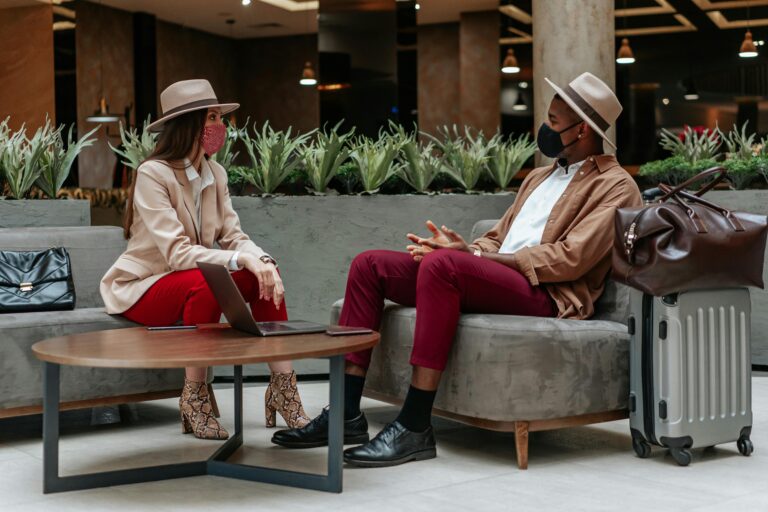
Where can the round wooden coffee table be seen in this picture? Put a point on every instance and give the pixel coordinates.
(208, 345)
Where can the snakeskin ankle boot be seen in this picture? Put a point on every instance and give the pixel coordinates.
(197, 412)
(283, 397)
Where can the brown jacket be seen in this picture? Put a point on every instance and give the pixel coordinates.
(164, 234)
(574, 257)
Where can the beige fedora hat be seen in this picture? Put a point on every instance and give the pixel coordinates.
(593, 101)
(186, 96)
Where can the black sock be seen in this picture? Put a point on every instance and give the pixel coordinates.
(353, 392)
(417, 409)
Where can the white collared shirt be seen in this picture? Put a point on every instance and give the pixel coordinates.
(201, 181)
(528, 226)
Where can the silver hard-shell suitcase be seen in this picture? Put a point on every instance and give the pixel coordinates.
(690, 371)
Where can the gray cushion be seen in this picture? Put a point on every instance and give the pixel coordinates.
(92, 250)
(20, 373)
(507, 368)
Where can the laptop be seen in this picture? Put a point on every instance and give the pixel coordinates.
(237, 311)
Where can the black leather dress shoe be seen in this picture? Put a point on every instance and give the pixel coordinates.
(315, 433)
(392, 446)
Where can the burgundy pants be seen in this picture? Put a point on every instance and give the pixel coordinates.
(184, 295)
(445, 284)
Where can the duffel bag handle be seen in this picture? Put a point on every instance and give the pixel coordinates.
(695, 198)
(720, 173)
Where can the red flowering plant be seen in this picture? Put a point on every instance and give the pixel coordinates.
(693, 151)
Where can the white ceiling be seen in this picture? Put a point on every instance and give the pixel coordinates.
(210, 15)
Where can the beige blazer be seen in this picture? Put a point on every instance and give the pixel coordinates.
(165, 236)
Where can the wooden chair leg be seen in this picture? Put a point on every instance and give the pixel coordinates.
(521, 444)
(214, 405)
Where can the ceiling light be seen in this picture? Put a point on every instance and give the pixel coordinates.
(665, 101)
(102, 115)
(748, 48)
(246, 2)
(308, 75)
(417, 7)
(625, 55)
(510, 65)
(520, 104)
(523, 85)
(690, 92)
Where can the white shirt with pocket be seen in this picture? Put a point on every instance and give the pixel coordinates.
(528, 227)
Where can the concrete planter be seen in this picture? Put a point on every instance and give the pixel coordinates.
(26, 213)
(754, 201)
(315, 238)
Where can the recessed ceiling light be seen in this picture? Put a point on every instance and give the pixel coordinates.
(665, 101)
(523, 85)
(246, 2)
(418, 7)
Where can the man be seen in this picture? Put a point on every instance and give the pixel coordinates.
(548, 256)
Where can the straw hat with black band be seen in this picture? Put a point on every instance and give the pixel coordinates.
(187, 96)
(593, 101)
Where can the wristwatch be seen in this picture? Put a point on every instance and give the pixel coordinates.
(268, 259)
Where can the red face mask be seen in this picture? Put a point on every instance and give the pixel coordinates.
(212, 138)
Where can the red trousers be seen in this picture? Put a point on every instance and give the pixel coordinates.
(184, 295)
(445, 284)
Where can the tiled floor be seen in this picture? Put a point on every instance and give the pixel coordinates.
(588, 468)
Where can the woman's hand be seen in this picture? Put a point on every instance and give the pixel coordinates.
(443, 238)
(270, 282)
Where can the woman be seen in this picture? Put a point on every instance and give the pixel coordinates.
(178, 207)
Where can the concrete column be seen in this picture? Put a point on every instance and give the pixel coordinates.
(570, 38)
(479, 76)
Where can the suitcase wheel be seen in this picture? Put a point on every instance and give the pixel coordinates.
(642, 448)
(681, 456)
(745, 446)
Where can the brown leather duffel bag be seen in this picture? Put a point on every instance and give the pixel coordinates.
(683, 242)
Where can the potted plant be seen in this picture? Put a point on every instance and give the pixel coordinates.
(692, 152)
(37, 167)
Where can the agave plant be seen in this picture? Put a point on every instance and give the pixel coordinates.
(226, 155)
(507, 158)
(737, 142)
(274, 156)
(136, 147)
(20, 159)
(450, 143)
(376, 160)
(420, 165)
(5, 135)
(56, 161)
(323, 157)
(691, 146)
(467, 164)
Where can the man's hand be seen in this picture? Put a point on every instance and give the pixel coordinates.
(443, 238)
(270, 282)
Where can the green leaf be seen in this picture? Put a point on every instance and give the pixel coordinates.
(56, 161)
(136, 147)
(274, 156)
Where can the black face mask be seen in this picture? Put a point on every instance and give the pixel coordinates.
(549, 141)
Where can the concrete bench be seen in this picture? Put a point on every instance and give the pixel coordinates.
(513, 373)
(92, 251)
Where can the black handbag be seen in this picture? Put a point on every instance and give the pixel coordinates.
(36, 281)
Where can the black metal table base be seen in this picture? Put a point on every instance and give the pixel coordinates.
(216, 465)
